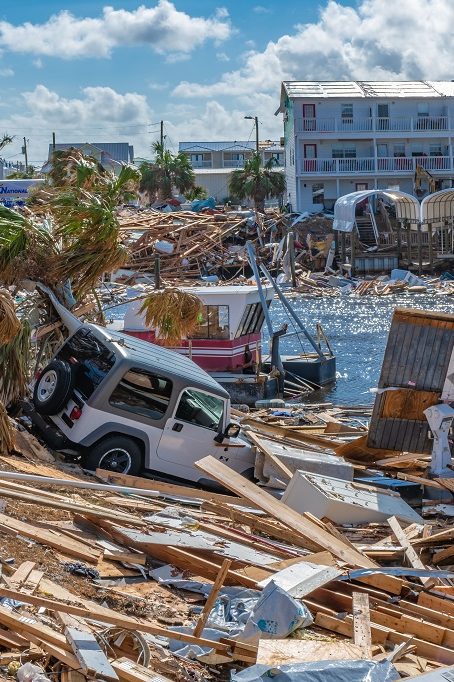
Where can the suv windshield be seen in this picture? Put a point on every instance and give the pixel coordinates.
(90, 358)
(200, 408)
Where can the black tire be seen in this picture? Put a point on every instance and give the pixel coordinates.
(54, 387)
(120, 454)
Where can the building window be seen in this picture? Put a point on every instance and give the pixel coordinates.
(423, 109)
(142, 393)
(417, 149)
(435, 150)
(214, 323)
(201, 409)
(347, 112)
(344, 152)
(361, 186)
(399, 150)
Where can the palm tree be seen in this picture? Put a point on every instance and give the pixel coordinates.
(197, 192)
(167, 171)
(257, 182)
(6, 139)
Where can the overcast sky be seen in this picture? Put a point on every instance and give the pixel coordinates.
(96, 72)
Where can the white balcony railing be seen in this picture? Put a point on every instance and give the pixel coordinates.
(372, 124)
(233, 164)
(202, 164)
(360, 166)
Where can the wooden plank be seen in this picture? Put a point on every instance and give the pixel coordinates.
(383, 635)
(92, 659)
(103, 615)
(408, 403)
(275, 652)
(218, 583)
(51, 539)
(410, 553)
(32, 582)
(316, 537)
(261, 445)
(128, 671)
(21, 574)
(361, 623)
(171, 489)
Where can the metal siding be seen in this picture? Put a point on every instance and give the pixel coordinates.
(418, 352)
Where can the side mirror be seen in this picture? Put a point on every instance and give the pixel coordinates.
(232, 430)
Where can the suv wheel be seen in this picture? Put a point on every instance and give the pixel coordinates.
(116, 453)
(54, 387)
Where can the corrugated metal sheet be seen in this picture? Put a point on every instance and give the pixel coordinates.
(417, 356)
(362, 89)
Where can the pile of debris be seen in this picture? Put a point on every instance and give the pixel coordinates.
(140, 577)
(194, 245)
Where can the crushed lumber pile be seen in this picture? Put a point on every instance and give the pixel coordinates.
(121, 578)
(191, 244)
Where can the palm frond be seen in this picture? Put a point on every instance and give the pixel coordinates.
(174, 314)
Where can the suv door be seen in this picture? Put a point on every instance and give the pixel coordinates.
(189, 434)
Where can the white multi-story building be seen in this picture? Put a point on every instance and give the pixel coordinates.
(213, 162)
(346, 136)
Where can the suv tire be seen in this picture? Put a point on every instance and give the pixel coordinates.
(120, 454)
(54, 387)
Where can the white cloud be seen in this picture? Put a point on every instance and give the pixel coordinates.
(378, 40)
(6, 72)
(162, 27)
(38, 63)
(260, 9)
(222, 57)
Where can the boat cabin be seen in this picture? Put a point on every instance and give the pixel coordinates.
(231, 319)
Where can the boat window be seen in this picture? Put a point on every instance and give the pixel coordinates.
(142, 393)
(201, 409)
(252, 319)
(214, 323)
(90, 360)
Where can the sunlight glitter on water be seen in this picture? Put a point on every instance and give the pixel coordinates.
(357, 328)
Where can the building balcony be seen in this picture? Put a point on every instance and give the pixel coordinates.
(233, 163)
(202, 164)
(384, 165)
(373, 124)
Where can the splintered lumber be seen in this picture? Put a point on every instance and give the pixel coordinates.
(171, 489)
(317, 538)
(410, 553)
(218, 583)
(129, 671)
(361, 623)
(283, 432)
(184, 559)
(95, 511)
(54, 539)
(92, 659)
(102, 614)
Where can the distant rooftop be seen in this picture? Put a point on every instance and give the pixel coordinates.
(236, 145)
(360, 89)
(118, 151)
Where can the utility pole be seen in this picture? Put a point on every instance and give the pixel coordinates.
(256, 122)
(162, 134)
(24, 152)
(53, 142)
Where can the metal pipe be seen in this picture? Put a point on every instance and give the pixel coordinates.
(253, 264)
(291, 312)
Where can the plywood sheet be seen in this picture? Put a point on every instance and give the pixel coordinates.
(281, 651)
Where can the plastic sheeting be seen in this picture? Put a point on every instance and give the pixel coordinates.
(239, 612)
(321, 671)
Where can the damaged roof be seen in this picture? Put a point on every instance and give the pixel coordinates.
(365, 89)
